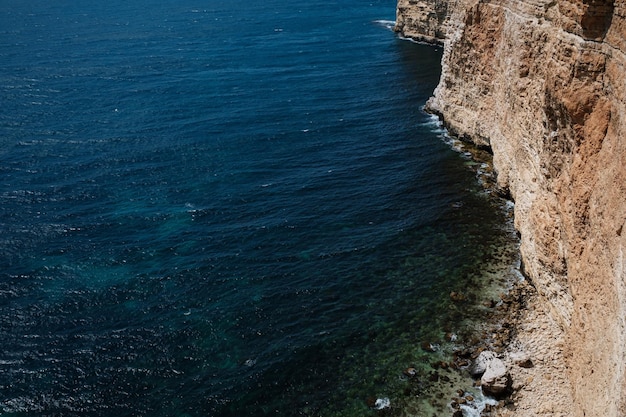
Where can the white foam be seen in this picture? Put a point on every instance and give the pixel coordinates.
(419, 42)
(477, 406)
(387, 24)
(404, 38)
(382, 403)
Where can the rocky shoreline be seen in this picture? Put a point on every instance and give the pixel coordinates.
(509, 364)
(525, 348)
(516, 356)
(541, 83)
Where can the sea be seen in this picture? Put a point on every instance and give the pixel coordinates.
(228, 208)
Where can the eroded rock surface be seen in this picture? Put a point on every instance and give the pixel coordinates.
(543, 83)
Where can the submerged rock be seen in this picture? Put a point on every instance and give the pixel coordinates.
(457, 296)
(430, 347)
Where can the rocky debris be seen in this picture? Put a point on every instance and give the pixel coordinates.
(440, 365)
(479, 366)
(485, 357)
(490, 303)
(451, 337)
(496, 381)
(430, 347)
(521, 359)
(493, 338)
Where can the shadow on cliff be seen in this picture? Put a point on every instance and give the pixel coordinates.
(597, 18)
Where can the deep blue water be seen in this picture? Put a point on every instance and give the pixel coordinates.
(213, 208)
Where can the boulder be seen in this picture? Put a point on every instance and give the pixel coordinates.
(479, 366)
(496, 381)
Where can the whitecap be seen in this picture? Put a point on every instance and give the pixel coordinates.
(382, 403)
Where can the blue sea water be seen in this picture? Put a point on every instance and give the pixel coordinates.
(213, 208)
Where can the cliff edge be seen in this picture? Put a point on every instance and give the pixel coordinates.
(543, 84)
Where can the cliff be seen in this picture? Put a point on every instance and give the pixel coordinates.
(543, 84)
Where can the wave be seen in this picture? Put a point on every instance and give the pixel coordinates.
(387, 24)
(434, 44)
(475, 407)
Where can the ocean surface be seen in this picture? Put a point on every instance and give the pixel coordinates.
(228, 208)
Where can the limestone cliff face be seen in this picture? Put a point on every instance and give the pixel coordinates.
(543, 83)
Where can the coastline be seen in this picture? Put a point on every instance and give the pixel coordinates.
(520, 329)
(541, 85)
